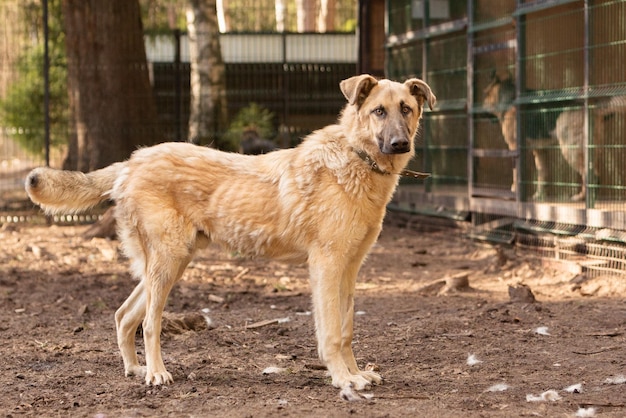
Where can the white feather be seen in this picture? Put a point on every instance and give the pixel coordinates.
(498, 387)
(472, 360)
(615, 380)
(586, 412)
(577, 388)
(548, 395)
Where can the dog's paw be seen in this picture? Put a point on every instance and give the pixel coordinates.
(136, 370)
(352, 381)
(348, 394)
(160, 378)
(371, 376)
(539, 196)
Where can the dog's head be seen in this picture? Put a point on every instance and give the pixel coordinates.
(499, 94)
(388, 111)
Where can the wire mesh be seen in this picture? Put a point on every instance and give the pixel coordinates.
(607, 47)
(579, 247)
(546, 123)
(447, 70)
(295, 76)
(441, 150)
(490, 12)
(405, 61)
(552, 52)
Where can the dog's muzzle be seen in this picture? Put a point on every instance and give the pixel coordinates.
(397, 145)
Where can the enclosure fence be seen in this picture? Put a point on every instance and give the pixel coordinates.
(294, 76)
(528, 139)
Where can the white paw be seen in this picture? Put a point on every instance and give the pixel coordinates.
(348, 394)
(351, 381)
(371, 377)
(136, 370)
(160, 378)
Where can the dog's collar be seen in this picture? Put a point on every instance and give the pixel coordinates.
(376, 168)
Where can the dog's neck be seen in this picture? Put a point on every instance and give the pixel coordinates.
(371, 162)
(377, 169)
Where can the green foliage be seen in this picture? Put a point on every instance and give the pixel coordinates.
(161, 16)
(22, 109)
(254, 117)
(349, 25)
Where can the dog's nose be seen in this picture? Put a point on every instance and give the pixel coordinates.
(32, 180)
(399, 145)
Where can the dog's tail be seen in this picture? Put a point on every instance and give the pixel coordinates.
(60, 191)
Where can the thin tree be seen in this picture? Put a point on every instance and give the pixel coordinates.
(305, 15)
(280, 7)
(326, 16)
(208, 109)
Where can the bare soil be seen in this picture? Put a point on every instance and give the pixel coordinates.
(239, 339)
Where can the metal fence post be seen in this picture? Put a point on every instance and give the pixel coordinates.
(178, 109)
(285, 92)
(46, 82)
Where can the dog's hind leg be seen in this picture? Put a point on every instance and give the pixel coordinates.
(127, 319)
(162, 273)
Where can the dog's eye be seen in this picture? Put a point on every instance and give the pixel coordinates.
(379, 111)
(406, 110)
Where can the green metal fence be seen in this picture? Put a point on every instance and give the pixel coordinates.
(531, 114)
(530, 124)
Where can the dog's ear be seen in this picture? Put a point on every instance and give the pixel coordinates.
(356, 89)
(421, 91)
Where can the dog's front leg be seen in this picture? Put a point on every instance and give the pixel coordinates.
(326, 277)
(348, 285)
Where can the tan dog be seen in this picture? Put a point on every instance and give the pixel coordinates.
(567, 127)
(498, 100)
(322, 202)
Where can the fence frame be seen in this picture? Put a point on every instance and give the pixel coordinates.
(497, 202)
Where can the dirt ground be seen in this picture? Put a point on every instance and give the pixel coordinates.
(239, 339)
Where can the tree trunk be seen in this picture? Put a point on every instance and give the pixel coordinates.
(208, 111)
(280, 7)
(305, 15)
(110, 95)
(326, 16)
(223, 20)
(109, 88)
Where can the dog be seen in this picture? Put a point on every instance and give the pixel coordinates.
(498, 100)
(556, 126)
(322, 202)
(569, 131)
(251, 143)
